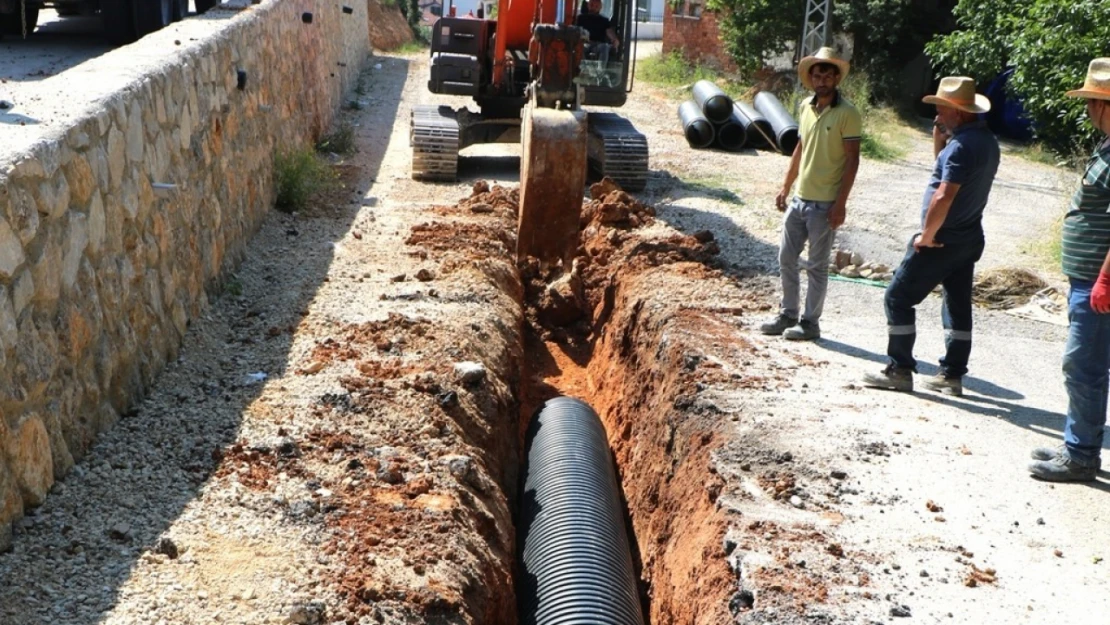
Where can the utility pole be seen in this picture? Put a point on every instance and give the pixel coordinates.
(815, 28)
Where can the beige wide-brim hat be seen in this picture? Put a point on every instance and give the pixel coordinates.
(1097, 85)
(824, 55)
(959, 92)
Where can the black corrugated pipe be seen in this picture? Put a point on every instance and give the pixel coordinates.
(699, 132)
(575, 563)
(784, 125)
(760, 134)
(715, 103)
(730, 135)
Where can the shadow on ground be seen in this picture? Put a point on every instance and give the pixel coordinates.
(155, 461)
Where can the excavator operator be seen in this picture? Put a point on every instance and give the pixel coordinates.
(602, 32)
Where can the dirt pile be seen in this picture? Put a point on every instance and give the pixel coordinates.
(570, 305)
(388, 28)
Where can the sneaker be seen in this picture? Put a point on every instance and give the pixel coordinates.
(1063, 469)
(804, 331)
(891, 378)
(778, 325)
(1051, 453)
(941, 383)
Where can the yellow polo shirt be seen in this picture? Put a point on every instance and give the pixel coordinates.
(823, 136)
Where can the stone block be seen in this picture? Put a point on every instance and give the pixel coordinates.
(46, 271)
(32, 462)
(116, 157)
(9, 322)
(97, 224)
(24, 214)
(54, 197)
(11, 251)
(77, 241)
(23, 291)
(82, 181)
(136, 138)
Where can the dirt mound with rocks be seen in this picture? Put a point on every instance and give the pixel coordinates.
(571, 304)
(388, 28)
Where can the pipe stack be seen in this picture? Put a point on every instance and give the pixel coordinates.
(707, 119)
(713, 118)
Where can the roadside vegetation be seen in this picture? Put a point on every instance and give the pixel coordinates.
(298, 176)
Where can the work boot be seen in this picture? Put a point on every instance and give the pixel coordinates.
(941, 383)
(1051, 453)
(1063, 469)
(891, 378)
(804, 331)
(778, 325)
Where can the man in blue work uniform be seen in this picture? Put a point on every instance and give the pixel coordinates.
(950, 242)
(1086, 261)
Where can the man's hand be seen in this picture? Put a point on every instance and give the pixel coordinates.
(923, 240)
(837, 213)
(780, 201)
(1100, 294)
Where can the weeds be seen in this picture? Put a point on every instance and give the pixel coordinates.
(233, 287)
(412, 47)
(339, 141)
(715, 188)
(672, 71)
(884, 137)
(298, 175)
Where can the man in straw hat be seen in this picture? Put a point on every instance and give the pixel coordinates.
(1086, 262)
(824, 165)
(949, 244)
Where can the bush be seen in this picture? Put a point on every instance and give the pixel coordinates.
(339, 141)
(1048, 43)
(298, 175)
(887, 34)
(755, 30)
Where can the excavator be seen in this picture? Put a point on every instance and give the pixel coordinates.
(531, 70)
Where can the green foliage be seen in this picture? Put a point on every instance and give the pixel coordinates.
(886, 35)
(339, 141)
(298, 175)
(755, 30)
(884, 138)
(411, 10)
(1048, 43)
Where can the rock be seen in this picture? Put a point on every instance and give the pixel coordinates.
(703, 236)
(901, 611)
(857, 258)
(837, 474)
(307, 613)
(602, 188)
(120, 532)
(729, 544)
(398, 278)
(842, 259)
(866, 273)
(166, 547)
(563, 303)
(851, 271)
(740, 601)
(796, 501)
(447, 399)
(880, 268)
(833, 269)
(32, 462)
(479, 188)
(470, 373)
(480, 208)
(424, 275)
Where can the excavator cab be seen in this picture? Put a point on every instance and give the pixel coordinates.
(605, 71)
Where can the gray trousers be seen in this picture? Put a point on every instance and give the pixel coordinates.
(805, 221)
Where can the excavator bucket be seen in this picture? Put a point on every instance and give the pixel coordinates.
(552, 177)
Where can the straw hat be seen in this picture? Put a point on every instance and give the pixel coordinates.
(824, 55)
(1097, 85)
(959, 92)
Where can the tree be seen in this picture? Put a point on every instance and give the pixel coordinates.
(755, 30)
(1048, 43)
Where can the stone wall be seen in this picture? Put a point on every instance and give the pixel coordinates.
(116, 216)
(698, 39)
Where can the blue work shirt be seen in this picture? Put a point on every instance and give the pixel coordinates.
(970, 160)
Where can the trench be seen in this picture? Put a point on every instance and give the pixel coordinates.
(615, 358)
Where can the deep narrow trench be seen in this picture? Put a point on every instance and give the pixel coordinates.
(603, 332)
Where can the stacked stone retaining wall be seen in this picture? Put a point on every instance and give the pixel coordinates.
(121, 210)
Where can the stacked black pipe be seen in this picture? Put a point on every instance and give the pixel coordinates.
(575, 559)
(712, 118)
(784, 125)
(707, 119)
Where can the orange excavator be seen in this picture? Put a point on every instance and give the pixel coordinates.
(532, 69)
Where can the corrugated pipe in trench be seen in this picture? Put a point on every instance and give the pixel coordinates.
(575, 563)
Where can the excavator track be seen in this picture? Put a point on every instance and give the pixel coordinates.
(434, 137)
(618, 150)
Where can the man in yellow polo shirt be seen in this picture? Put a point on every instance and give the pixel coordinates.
(824, 165)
